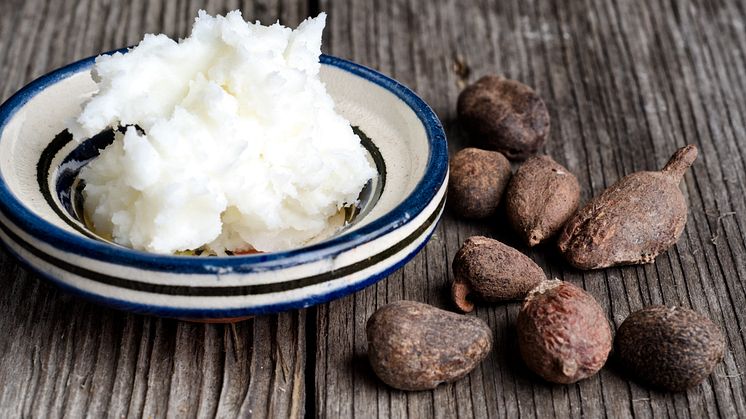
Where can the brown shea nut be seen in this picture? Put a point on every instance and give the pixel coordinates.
(541, 196)
(631, 222)
(504, 115)
(488, 270)
(563, 334)
(415, 346)
(671, 348)
(477, 181)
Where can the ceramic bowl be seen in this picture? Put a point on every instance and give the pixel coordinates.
(40, 225)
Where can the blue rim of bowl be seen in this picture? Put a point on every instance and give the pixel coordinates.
(423, 193)
(228, 314)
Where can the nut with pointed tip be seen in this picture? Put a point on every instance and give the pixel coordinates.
(563, 334)
(672, 348)
(488, 270)
(631, 222)
(540, 198)
(415, 346)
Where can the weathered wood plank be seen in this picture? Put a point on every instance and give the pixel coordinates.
(626, 83)
(60, 356)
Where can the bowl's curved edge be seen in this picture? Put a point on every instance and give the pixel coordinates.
(219, 315)
(424, 194)
(435, 173)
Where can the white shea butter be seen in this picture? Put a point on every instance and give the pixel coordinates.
(240, 146)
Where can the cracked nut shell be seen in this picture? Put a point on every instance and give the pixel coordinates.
(541, 196)
(631, 222)
(477, 181)
(489, 270)
(669, 348)
(415, 346)
(504, 115)
(563, 333)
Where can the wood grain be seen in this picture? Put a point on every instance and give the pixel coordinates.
(626, 83)
(62, 357)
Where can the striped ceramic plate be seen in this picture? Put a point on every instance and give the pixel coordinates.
(41, 222)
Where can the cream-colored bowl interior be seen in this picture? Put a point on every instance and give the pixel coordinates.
(392, 126)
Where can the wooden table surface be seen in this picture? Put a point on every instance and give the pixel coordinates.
(626, 83)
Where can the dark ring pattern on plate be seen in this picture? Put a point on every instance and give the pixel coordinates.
(68, 187)
(216, 291)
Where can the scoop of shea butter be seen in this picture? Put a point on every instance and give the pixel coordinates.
(238, 144)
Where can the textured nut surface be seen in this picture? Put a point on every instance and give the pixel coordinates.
(415, 346)
(489, 270)
(672, 348)
(563, 333)
(541, 196)
(504, 115)
(631, 222)
(477, 181)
